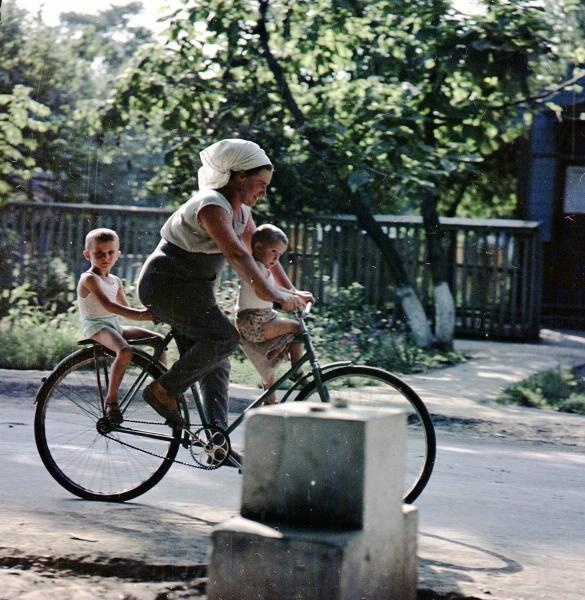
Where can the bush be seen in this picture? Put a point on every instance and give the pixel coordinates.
(348, 328)
(48, 284)
(34, 336)
(556, 389)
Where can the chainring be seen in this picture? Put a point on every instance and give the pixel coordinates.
(210, 447)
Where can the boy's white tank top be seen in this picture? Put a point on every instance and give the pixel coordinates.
(91, 307)
(248, 299)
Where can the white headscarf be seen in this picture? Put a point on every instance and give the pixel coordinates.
(225, 156)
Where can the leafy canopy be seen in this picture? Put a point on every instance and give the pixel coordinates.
(393, 98)
(52, 84)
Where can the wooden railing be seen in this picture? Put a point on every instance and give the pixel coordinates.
(495, 265)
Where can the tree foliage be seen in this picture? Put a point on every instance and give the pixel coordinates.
(397, 99)
(59, 77)
(20, 118)
(378, 106)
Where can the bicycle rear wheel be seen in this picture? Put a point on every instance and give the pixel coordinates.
(371, 387)
(78, 446)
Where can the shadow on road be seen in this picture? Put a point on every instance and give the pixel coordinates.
(464, 560)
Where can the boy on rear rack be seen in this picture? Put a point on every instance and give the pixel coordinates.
(102, 301)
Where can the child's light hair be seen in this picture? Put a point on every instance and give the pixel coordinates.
(269, 234)
(100, 235)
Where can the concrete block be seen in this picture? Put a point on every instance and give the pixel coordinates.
(339, 468)
(254, 561)
(410, 521)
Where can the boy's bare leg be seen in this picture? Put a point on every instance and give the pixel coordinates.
(296, 353)
(266, 383)
(112, 340)
(135, 333)
(280, 326)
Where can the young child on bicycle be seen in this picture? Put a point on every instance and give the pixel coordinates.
(102, 301)
(267, 338)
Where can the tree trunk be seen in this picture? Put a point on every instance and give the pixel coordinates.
(436, 254)
(437, 258)
(405, 293)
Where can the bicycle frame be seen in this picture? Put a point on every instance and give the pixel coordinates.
(309, 356)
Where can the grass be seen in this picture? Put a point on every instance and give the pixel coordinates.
(557, 389)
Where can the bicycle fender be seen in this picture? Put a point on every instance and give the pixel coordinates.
(333, 365)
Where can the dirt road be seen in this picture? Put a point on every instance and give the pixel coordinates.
(502, 518)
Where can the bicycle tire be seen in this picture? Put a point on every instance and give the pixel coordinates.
(112, 467)
(370, 386)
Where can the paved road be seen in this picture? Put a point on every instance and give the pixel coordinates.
(503, 516)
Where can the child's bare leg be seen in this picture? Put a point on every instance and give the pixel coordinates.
(112, 340)
(296, 353)
(280, 326)
(135, 333)
(266, 383)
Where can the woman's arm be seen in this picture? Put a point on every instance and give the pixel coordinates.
(281, 279)
(218, 224)
(248, 233)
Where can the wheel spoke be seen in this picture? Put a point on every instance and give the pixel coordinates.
(82, 451)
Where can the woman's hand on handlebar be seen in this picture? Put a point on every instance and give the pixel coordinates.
(306, 296)
(289, 301)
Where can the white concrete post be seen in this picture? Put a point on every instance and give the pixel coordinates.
(322, 515)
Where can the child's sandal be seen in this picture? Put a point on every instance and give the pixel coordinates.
(113, 414)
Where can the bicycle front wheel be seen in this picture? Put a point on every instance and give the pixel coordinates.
(81, 450)
(372, 387)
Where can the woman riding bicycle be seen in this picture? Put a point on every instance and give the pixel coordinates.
(177, 282)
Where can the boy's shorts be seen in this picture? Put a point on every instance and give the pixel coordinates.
(250, 323)
(91, 325)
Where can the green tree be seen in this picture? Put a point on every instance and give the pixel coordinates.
(70, 69)
(20, 119)
(377, 106)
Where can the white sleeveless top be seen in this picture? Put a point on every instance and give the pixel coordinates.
(184, 230)
(90, 307)
(248, 299)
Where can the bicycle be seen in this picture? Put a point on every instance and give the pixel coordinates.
(96, 460)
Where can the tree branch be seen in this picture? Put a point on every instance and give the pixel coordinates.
(275, 67)
(359, 206)
(542, 97)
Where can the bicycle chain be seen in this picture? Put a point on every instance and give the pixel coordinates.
(179, 462)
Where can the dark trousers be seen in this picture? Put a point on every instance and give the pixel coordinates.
(178, 287)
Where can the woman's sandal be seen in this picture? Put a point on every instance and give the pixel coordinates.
(164, 404)
(113, 413)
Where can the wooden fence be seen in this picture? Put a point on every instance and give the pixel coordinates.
(495, 265)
